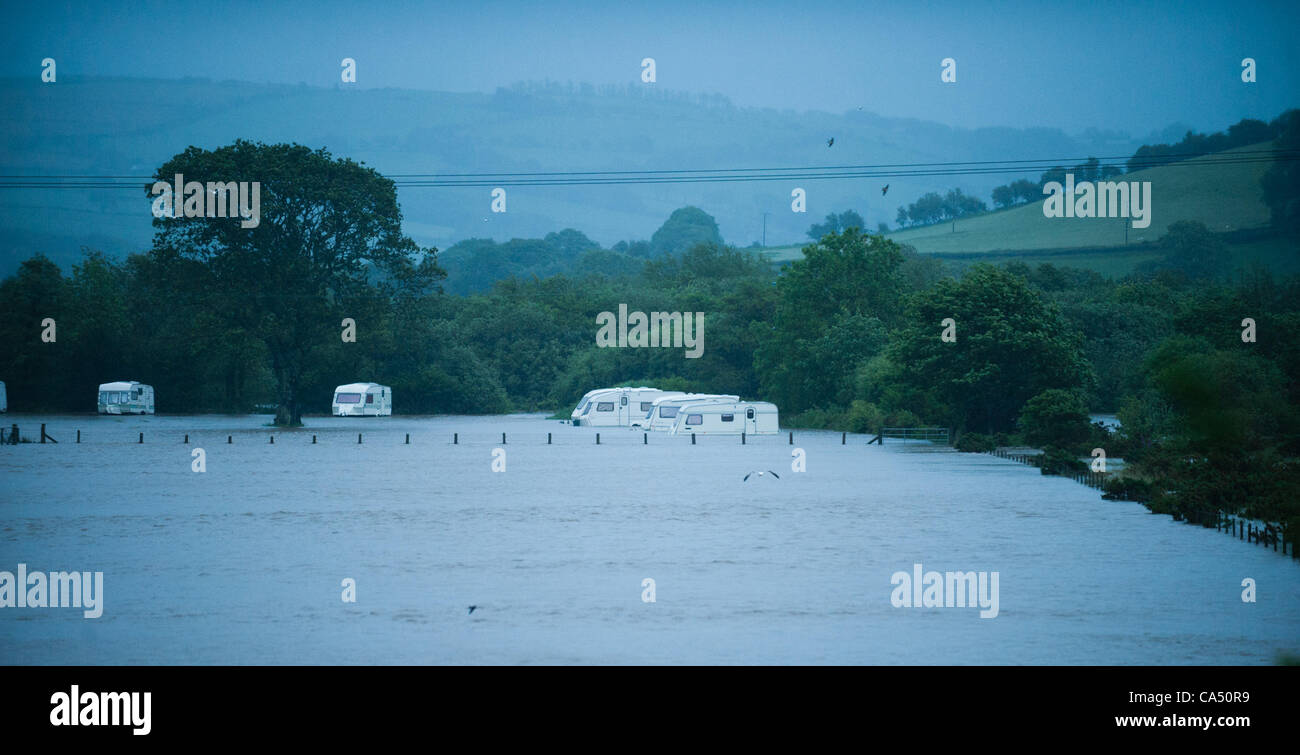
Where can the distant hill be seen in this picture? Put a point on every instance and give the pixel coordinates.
(1227, 198)
(114, 126)
(1224, 197)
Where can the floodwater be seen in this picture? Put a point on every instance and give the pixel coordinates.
(243, 563)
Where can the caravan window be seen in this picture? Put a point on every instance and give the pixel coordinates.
(347, 398)
(728, 418)
(587, 411)
(668, 412)
(749, 413)
(695, 419)
(646, 406)
(605, 406)
(370, 398)
(136, 393)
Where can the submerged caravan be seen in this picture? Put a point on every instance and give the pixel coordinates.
(125, 397)
(664, 411)
(675, 412)
(362, 400)
(617, 407)
(727, 418)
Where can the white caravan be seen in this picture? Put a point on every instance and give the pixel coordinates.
(125, 397)
(363, 400)
(576, 414)
(664, 411)
(4, 398)
(727, 418)
(620, 407)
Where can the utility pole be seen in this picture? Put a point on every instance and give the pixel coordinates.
(765, 229)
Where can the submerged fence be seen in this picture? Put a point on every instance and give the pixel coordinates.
(933, 434)
(939, 434)
(1022, 458)
(1261, 533)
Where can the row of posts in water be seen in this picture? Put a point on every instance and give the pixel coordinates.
(12, 437)
(1092, 479)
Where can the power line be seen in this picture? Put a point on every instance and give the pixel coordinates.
(1050, 162)
(720, 175)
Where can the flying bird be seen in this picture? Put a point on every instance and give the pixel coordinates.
(760, 474)
(830, 142)
(885, 190)
(471, 609)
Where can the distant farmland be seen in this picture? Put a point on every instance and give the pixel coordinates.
(1227, 198)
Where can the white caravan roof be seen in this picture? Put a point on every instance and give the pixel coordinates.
(120, 385)
(628, 389)
(692, 397)
(718, 407)
(589, 394)
(358, 387)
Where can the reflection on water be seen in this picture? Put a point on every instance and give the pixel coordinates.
(244, 563)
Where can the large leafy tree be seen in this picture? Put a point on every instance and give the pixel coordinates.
(834, 308)
(1055, 417)
(31, 366)
(1011, 345)
(685, 228)
(329, 229)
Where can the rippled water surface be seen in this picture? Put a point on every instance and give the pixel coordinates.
(243, 564)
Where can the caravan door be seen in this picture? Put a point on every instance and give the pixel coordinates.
(751, 421)
(624, 411)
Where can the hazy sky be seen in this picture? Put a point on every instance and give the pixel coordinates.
(1131, 66)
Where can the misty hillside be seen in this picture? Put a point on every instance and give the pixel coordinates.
(127, 127)
(1226, 196)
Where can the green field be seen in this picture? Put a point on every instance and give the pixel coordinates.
(1278, 254)
(1227, 198)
